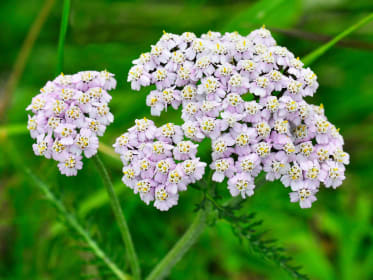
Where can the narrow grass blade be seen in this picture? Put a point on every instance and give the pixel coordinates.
(23, 55)
(310, 58)
(61, 40)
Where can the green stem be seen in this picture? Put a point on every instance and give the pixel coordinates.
(121, 221)
(212, 200)
(190, 236)
(61, 40)
(181, 247)
(69, 218)
(71, 221)
(310, 58)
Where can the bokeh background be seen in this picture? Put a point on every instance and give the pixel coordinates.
(332, 240)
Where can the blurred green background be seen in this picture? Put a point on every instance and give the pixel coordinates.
(332, 240)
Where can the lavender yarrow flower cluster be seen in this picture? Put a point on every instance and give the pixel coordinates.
(158, 163)
(247, 95)
(70, 113)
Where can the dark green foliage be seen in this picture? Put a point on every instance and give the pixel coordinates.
(245, 227)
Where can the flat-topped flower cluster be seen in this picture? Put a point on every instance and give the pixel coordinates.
(70, 113)
(158, 162)
(246, 94)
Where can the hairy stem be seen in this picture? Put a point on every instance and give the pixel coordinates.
(181, 247)
(61, 40)
(307, 60)
(121, 221)
(73, 223)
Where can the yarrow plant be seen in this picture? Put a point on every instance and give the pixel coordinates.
(246, 94)
(70, 113)
(158, 163)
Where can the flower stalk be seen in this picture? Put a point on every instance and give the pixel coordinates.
(121, 221)
(73, 223)
(163, 268)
